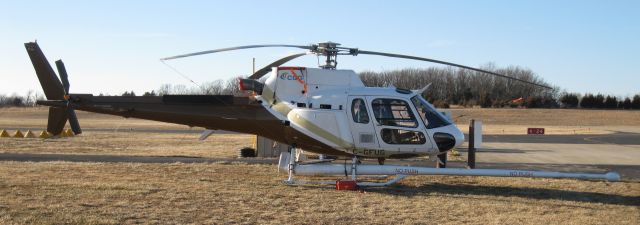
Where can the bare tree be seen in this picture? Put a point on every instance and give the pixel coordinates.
(464, 87)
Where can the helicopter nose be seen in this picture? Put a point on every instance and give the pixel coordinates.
(458, 135)
(448, 137)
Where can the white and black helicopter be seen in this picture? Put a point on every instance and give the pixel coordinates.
(321, 110)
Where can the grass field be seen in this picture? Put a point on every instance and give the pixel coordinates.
(495, 121)
(37, 118)
(544, 117)
(555, 121)
(133, 143)
(121, 141)
(104, 193)
(128, 193)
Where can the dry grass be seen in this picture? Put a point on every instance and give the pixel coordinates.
(125, 193)
(495, 121)
(123, 142)
(104, 193)
(558, 117)
(120, 142)
(133, 143)
(555, 121)
(37, 118)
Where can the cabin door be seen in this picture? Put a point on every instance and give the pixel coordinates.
(362, 129)
(396, 126)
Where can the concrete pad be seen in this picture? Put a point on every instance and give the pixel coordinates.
(559, 153)
(596, 158)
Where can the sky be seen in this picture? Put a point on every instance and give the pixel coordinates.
(115, 46)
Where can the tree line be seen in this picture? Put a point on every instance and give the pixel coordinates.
(598, 101)
(449, 86)
(217, 87)
(469, 88)
(15, 100)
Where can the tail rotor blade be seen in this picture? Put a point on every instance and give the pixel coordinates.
(73, 121)
(63, 76)
(71, 113)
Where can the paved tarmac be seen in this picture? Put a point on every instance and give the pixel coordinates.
(619, 138)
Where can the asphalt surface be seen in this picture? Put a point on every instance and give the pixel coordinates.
(619, 138)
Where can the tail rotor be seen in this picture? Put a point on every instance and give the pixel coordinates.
(71, 113)
(57, 92)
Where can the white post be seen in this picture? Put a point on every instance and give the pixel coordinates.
(477, 131)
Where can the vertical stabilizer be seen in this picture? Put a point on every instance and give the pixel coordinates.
(48, 79)
(51, 86)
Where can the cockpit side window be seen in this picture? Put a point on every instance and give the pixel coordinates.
(431, 117)
(359, 111)
(393, 112)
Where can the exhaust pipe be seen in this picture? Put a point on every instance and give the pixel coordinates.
(251, 85)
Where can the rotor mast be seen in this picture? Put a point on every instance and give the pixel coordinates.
(330, 51)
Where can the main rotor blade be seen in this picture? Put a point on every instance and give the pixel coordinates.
(446, 63)
(63, 76)
(258, 74)
(235, 48)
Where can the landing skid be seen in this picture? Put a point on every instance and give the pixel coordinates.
(393, 181)
(285, 159)
(289, 164)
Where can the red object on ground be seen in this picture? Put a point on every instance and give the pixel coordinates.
(349, 185)
(517, 100)
(535, 130)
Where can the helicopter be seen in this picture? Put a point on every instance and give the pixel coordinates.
(322, 110)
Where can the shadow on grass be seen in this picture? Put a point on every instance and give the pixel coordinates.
(501, 150)
(523, 192)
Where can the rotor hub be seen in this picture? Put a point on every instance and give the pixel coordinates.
(330, 51)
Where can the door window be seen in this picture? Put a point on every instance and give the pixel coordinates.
(402, 137)
(393, 112)
(359, 111)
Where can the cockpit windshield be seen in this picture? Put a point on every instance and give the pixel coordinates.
(431, 117)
